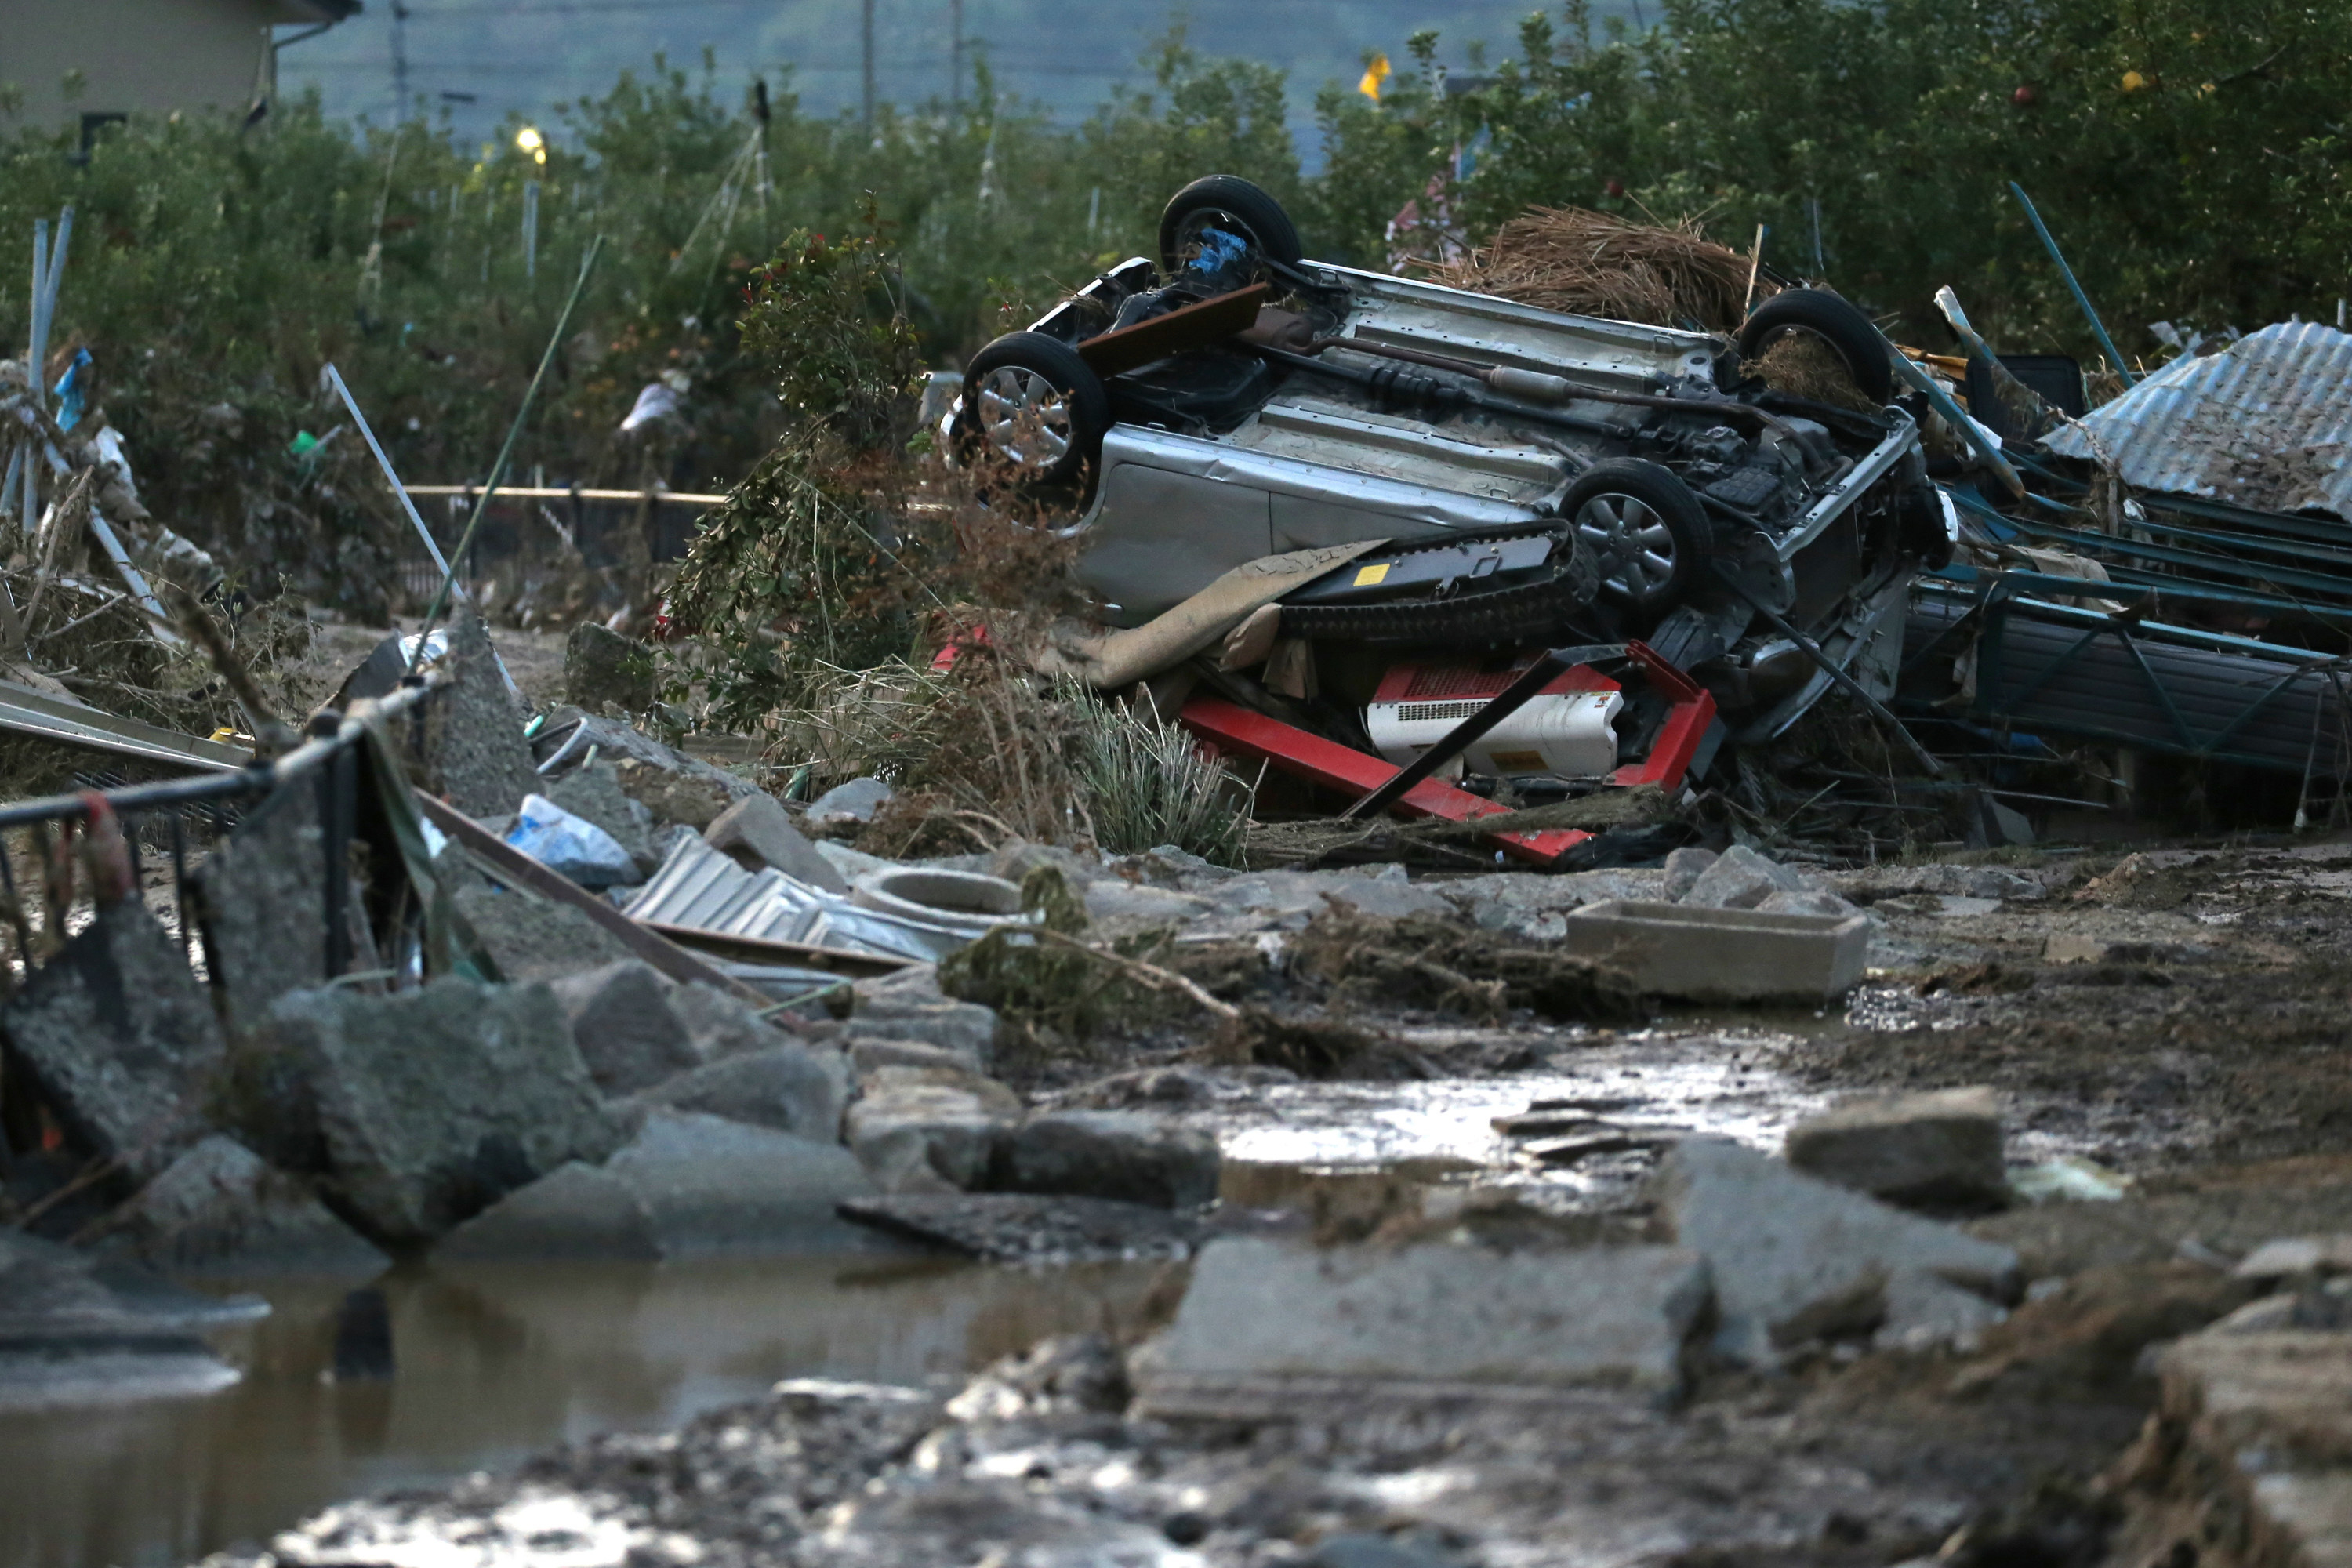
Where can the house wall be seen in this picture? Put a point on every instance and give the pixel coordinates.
(139, 56)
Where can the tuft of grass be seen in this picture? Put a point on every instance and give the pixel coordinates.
(1146, 782)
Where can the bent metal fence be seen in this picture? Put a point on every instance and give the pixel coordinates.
(308, 867)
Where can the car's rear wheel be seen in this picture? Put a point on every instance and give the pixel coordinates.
(1226, 204)
(1853, 337)
(1031, 403)
(1647, 535)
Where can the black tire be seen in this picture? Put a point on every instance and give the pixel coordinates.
(1237, 204)
(1035, 405)
(1852, 336)
(1526, 610)
(1647, 535)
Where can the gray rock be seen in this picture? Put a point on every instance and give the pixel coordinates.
(2290, 1256)
(1359, 1550)
(526, 938)
(1115, 909)
(1742, 878)
(1018, 859)
(1940, 1150)
(601, 666)
(789, 1087)
(432, 1104)
(593, 793)
(1820, 902)
(120, 1039)
(710, 1185)
(1271, 1327)
(1125, 1155)
(621, 1020)
(909, 1006)
(1534, 908)
(1795, 1259)
(757, 834)
(575, 1210)
(78, 1329)
(923, 1130)
(856, 801)
(720, 1024)
(1685, 866)
(1292, 897)
(687, 1185)
(1019, 1227)
(219, 1210)
(474, 753)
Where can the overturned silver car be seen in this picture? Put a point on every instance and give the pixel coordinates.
(1532, 479)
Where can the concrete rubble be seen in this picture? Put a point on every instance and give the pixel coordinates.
(1438, 1331)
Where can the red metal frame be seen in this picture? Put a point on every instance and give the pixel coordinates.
(1229, 728)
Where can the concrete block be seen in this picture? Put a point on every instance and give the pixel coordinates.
(1938, 1150)
(1684, 869)
(789, 1087)
(529, 939)
(1698, 953)
(721, 1025)
(1270, 1328)
(432, 1104)
(759, 834)
(219, 1210)
(601, 666)
(909, 1006)
(622, 1020)
(120, 1039)
(921, 1130)
(474, 753)
(2291, 1257)
(575, 1210)
(856, 801)
(1741, 878)
(1124, 1156)
(714, 1186)
(1795, 1259)
(1821, 902)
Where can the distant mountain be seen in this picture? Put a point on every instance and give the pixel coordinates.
(481, 60)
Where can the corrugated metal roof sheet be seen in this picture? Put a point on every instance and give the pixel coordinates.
(2265, 422)
(699, 887)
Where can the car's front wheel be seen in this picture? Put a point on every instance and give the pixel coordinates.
(1647, 534)
(1032, 404)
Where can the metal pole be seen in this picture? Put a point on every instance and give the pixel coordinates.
(399, 490)
(2098, 328)
(866, 36)
(499, 469)
(34, 352)
(530, 229)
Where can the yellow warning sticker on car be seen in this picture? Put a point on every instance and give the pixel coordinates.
(1366, 576)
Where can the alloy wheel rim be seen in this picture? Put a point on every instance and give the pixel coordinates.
(1635, 547)
(1026, 416)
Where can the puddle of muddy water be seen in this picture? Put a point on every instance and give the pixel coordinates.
(1724, 1084)
(486, 1367)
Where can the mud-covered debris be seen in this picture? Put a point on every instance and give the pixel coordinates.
(1023, 1227)
(1312, 1046)
(1427, 961)
(1121, 1155)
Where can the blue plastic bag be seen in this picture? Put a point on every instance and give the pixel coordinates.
(571, 845)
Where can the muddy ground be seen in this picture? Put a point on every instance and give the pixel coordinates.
(2176, 1015)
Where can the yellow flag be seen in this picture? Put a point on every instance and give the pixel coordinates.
(1374, 74)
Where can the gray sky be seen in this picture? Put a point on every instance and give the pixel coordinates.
(531, 54)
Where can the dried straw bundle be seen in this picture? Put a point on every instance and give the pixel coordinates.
(1591, 264)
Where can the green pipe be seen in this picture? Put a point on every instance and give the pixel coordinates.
(2114, 355)
(499, 469)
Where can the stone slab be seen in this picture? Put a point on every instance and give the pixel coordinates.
(1271, 1326)
(1796, 1259)
(1941, 1149)
(621, 1021)
(758, 833)
(1126, 1155)
(1721, 954)
(787, 1087)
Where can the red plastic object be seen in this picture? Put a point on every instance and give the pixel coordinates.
(1236, 729)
